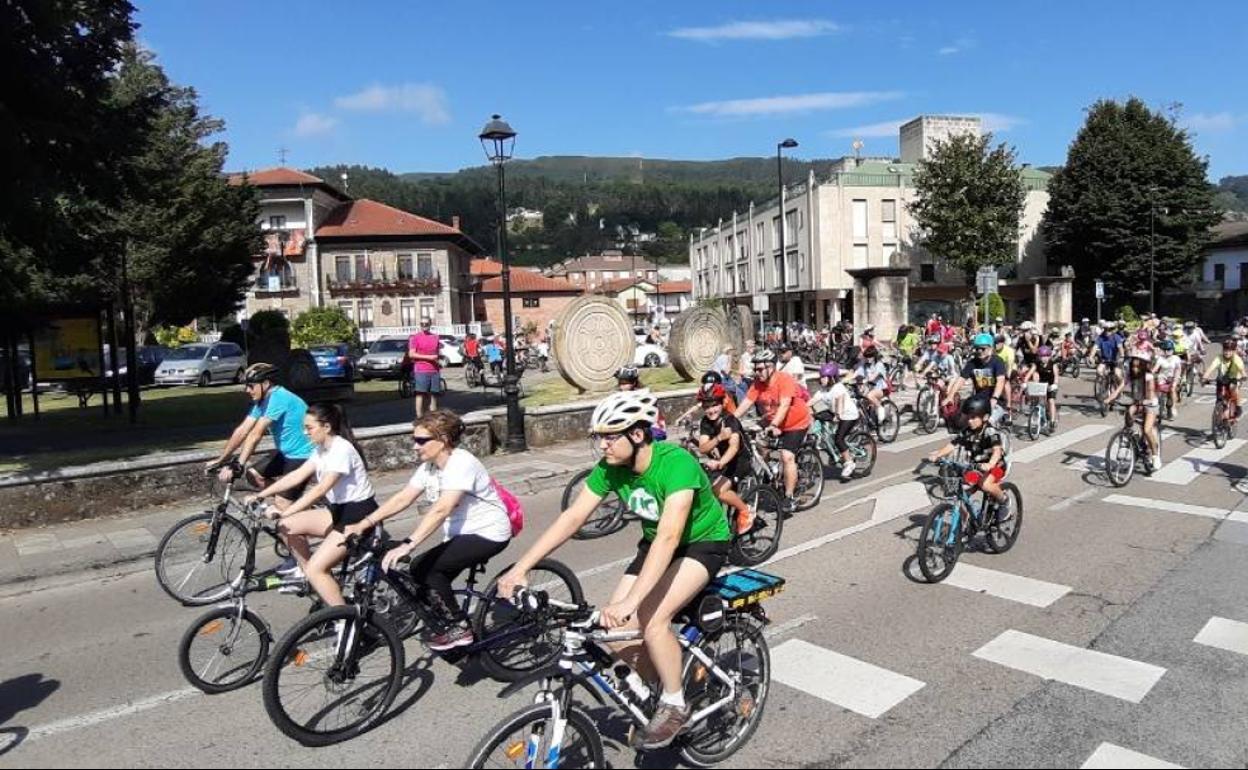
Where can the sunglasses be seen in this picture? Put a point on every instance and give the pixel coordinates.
(610, 438)
(422, 440)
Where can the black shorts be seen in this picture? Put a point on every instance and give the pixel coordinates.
(710, 554)
(277, 466)
(739, 469)
(346, 514)
(792, 440)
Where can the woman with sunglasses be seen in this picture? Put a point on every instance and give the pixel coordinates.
(464, 505)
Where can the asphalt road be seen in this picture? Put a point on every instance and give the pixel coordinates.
(1115, 632)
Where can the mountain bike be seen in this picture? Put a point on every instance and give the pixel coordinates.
(952, 525)
(1225, 419)
(862, 446)
(886, 426)
(768, 467)
(1126, 449)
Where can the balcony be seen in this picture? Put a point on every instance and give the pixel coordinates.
(271, 285)
(384, 284)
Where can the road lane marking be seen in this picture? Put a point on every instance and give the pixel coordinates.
(1166, 505)
(1112, 675)
(908, 444)
(1068, 502)
(1108, 756)
(790, 625)
(1185, 469)
(1058, 443)
(1003, 585)
(1225, 634)
(839, 679)
(109, 714)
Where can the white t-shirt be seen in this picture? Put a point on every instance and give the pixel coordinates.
(796, 368)
(342, 458)
(479, 510)
(849, 406)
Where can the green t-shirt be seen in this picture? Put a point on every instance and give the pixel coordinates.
(909, 343)
(672, 469)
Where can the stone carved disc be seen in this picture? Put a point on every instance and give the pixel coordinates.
(697, 338)
(740, 326)
(593, 339)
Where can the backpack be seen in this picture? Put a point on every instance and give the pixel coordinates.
(515, 511)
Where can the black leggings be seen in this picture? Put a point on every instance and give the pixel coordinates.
(843, 430)
(436, 568)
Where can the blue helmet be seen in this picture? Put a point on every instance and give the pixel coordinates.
(983, 340)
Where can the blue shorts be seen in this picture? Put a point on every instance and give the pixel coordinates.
(427, 382)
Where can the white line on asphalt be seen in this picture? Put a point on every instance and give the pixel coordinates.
(918, 441)
(1224, 634)
(1058, 443)
(1185, 469)
(1206, 400)
(1108, 756)
(1064, 504)
(109, 714)
(1100, 672)
(1003, 585)
(790, 625)
(1166, 505)
(847, 682)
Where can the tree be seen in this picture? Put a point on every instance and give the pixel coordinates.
(320, 326)
(969, 202)
(1129, 165)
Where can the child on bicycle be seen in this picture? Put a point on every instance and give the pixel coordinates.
(835, 398)
(873, 375)
(721, 437)
(1143, 387)
(1168, 370)
(984, 450)
(1229, 369)
(1045, 370)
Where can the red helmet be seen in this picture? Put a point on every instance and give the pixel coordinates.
(715, 394)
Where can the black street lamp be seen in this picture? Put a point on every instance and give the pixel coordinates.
(784, 258)
(499, 142)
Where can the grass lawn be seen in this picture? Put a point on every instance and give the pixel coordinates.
(560, 392)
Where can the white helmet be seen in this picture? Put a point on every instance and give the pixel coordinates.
(764, 357)
(620, 411)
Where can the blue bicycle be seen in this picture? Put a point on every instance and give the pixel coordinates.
(952, 525)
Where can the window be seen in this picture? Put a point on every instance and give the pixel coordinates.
(532, 302)
(279, 277)
(407, 312)
(860, 256)
(860, 220)
(890, 253)
(424, 266)
(743, 278)
(762, 275)
(775, 233)
(277, 222)
(743, 246)
(405, 267)
(888, 213)
(758, 245)
(1219, 272)
(426, 308)
(728, 252)
(731, 284)
(927, 273)
(365, 310)
(363, 270)
(792, 267)
(775, 277)
(348, 308)
(790, 226)
(593, 275)
(342, 268)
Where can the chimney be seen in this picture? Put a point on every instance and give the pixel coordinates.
(455, 221)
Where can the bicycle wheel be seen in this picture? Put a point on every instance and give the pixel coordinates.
(862, 448)
(1073, 368)
(741, 651)
(223, 650)
(940, 543)
(1120, 458)
(189, 570)
(761, 542)
(1035, 421)
(925, 411)
(1221, 430)
(888, 427)
(809, 479)
(395, 607)
(1001, 536)
(333, 676)
(607, 519)
(514, 643)
(523, 740)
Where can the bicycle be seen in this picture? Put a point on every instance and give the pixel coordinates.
(769, 468)
(199, 556)
(927, 404)
(1038, 421)
(1106, 380)
(862, 446)
(472, 372)
(1126, 448)
(885, 429)
(726, 676)
(1224, 421)
(354, 655)
(951, 526)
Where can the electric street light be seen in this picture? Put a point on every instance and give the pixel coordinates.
(784, 258)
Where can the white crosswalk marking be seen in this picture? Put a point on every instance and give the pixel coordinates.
(1185, 469)
(847, 682)
(1108, 756)
(1224, 634)
(1166, 505)
(1003, 585)
(1058, 443)
(904, 446)
(1100, 672)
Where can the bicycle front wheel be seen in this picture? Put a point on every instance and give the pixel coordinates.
(761, 542)
(809, 479)
(1120, 458)
(514, 643)
(525, 739)
(1221, 429)
(741, 651)
(940, 543)
(223, 650)
(890, 425)
(862, 448)
(1035, 421)
(196, 565)
(333, 676)
(1002, 535)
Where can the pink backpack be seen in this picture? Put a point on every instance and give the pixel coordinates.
(515, 511)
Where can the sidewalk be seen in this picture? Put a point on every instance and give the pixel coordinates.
(60, 549)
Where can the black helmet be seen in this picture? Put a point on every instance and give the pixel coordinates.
(628, 374)
(712, 378)
(977, 406)
(260, 373)
(1000, 339)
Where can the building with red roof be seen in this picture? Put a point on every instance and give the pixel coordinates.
(535, 299)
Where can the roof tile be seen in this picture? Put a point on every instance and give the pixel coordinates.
(530, 282)
(366, 217)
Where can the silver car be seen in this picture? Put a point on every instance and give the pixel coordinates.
(384, 359)
(202, 364)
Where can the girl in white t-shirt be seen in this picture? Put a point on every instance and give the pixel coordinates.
(342, 481)
(465, 506)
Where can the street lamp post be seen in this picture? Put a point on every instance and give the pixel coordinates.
(499, 142)
(784, 258)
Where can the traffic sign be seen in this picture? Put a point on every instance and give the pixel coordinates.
(1100, 290)
(986, 280)
(762, 303)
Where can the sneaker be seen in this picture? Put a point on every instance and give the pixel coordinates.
(1005, 511)
(297, 586)
(745, 522)
(457, 635)
(1156, 462)
(847, 472)
(664, 726)
(879, 414)
(288, 567)
(789, 506)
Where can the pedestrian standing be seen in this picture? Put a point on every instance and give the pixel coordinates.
(423, 348)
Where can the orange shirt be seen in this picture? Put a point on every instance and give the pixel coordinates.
(769, 395)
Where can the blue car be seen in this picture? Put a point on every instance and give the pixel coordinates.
(334, 361)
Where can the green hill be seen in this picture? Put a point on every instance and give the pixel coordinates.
(572, 169)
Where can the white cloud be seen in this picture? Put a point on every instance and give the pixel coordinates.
(1210, 123)
(785, 105)
(313, 124)
(757, 30)
(949, 49)
(958, 46)
(425, 99)
(997, 123)
(889, 129)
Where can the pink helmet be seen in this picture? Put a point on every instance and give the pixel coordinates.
(1142, 335)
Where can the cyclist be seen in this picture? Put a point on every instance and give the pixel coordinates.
(936, 361)
(709, 381)
(1109, 352)
(472, 351)
(1083, 334)
(1029, 343)
(1180, 350)
(629, 378)
(1006, 353)
(1045, 370)
(987, 374)
(792, 364)
(984, 449)
(341, 481)
(908, 346)
(684, 543)
(1070, 351)
(1229, 369)
(494, 356)
(786, 413)
(834, 397)
(868, 339)
(1168, 370)
(1143, 387)
(721, 437)
(1196, 339)
(872, 375)
(464, 504)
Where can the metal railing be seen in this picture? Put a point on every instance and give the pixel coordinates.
(374, 333)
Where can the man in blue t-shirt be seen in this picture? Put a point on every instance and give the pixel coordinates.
(279, 411)
(1109, 348)
(986, 372)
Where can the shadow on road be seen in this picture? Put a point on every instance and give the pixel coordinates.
(19, 694)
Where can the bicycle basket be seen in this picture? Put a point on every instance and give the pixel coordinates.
(746, 587)
(1038, 389)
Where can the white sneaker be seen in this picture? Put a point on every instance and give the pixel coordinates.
(293, 576)
(288, 567)
(847, 472)
(1156, 462)
(879, 413)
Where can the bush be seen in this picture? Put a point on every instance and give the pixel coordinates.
(1127, 314)
(996, 307)
(173, 336)
(267, 323)
(321, 326)
(234, 333)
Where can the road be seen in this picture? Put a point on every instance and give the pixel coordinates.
(1115, 633)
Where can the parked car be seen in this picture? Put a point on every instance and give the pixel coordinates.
(384, 359)
(148, 358)
(451, 350)
(650, 355)
(334, 362)
(202, 364)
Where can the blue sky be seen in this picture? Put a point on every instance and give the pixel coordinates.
(407, 85)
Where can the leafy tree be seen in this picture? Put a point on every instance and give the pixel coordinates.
(234, 333)
(1129, 167)
(173, 336)
(968, 203)
(320, 326)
